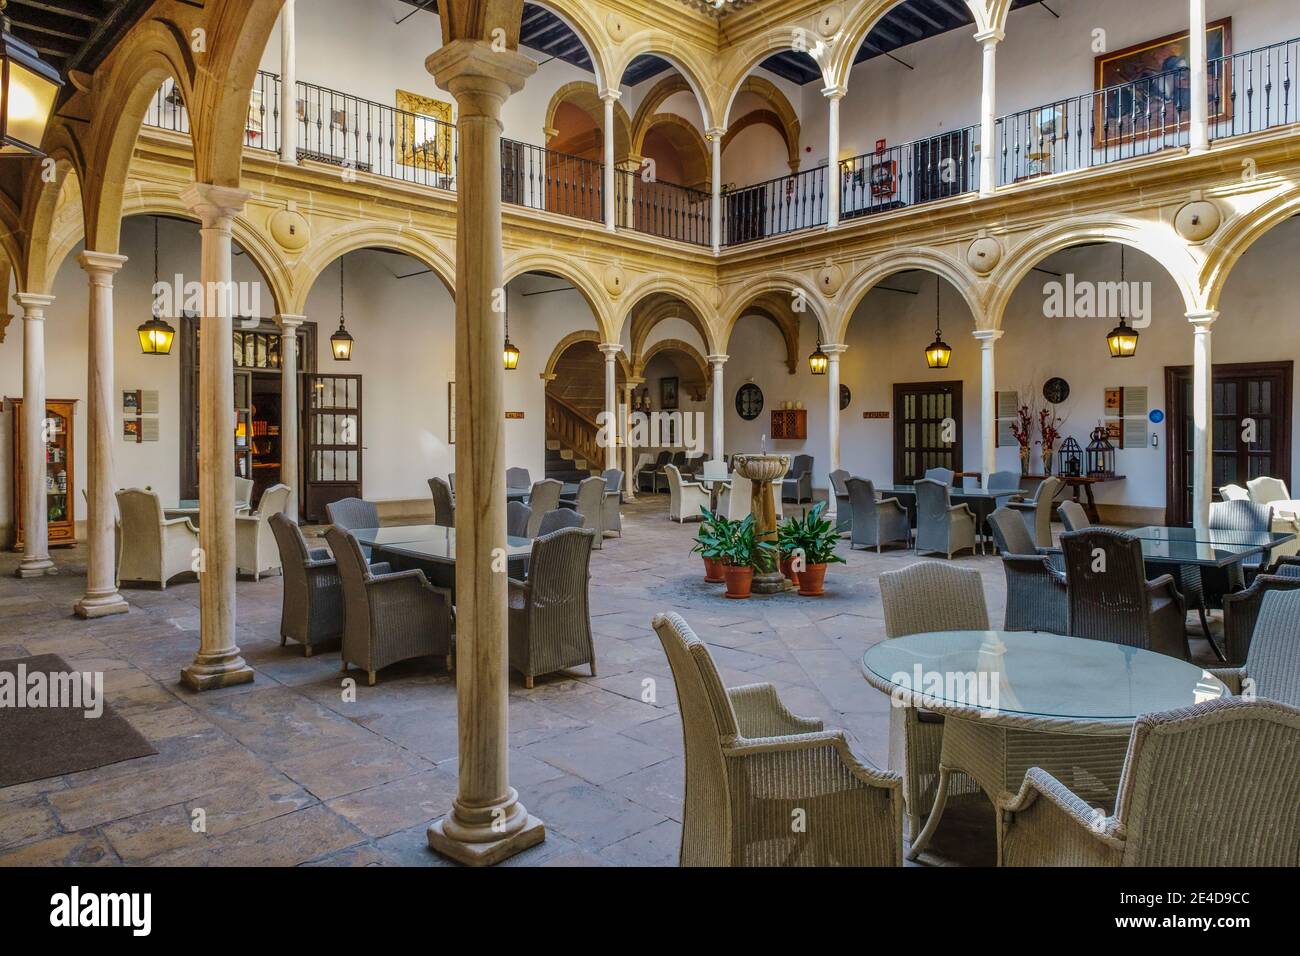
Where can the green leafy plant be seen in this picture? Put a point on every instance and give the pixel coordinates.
(812, 534)
(711, 539)
(733, 542)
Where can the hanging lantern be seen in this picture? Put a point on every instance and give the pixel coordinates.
(28, 86)
(1123, 339)
(1101, 454)
(938, 353)
(341, 341)
(819, 361)
(509, 354)
(156, 334)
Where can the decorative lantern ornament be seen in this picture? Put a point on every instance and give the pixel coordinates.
(28, 87)
(1123, 339)
(1101, 454)
(156, 334)
(819, 361)
(1071, 458)
(341, 341)
(938, 353)
(509, 354)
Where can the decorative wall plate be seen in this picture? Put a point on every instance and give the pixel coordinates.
(749, 401)
(1056, 390)
(846, 397)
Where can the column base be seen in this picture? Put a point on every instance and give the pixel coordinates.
(770, 582)
(36, 568)
(218, 670)
(101, 605)
(491, 853)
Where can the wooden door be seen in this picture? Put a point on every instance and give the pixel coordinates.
(60, 477)
(925, 415)
(332, 437)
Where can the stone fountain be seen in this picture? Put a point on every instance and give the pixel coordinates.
(762, 470)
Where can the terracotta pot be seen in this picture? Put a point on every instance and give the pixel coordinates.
(739, 581)
(812, 580)
(713, 569)
(787, 569)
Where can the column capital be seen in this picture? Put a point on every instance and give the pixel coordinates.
(610, 95)
(834, 350)
(216, 206)
(1202, 320)
(717, 358)
(472, 70)
(990, 36)
(987, 337)
(835, 91)
(715, 133)
(290, 323)
(33, 304)
(611, 350)
(100, 265)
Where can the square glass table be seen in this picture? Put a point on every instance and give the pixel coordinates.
(432, 549)
(1209, 548)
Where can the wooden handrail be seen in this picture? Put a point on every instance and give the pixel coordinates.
(574, 430)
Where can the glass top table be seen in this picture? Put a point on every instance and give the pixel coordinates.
(520, 493)
(429, 542)
(1205, 547)
(956, 494)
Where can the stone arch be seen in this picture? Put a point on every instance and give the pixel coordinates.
(1157, 241)
(591, 290)
(671, 288)
(773, 298)
(41, 258)
(1236, 237)
(862, 19)
(579, 16)
(780, 117)
(572, 339)
(926, 260)
(739, 75)
(10, 248)
(682, 59)
(671, 84)
(586, 97)
(366, 235)
(692, 354)
(688, 142)
(651, 310)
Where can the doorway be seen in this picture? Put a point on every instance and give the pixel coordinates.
(926, 416)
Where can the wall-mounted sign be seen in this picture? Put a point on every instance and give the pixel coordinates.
(514, 414)
(1157, 416)
(876, 415)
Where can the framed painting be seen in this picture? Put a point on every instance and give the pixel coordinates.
(1145, 89)
(256, 116)
(668, 393)
(424, 133)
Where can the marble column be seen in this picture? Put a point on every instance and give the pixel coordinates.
(101, 597)
(833, 353)
(834, 188)
(1202, 417)
(989, 39)
(987, 338)
(218, 662)
(288, 85)
(487, 822)
(610, 351)
(1199, 88)
(715, 202)
(629, 486)
(36, 546)
(289, 449)
(609, 98)
(716, 362)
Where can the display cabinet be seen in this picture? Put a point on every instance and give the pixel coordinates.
(60, 477)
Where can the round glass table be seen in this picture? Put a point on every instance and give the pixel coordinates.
(1011, 700)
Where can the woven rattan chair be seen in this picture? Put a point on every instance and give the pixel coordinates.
(1037, 596)
(928, 596)
(876, 522)
(611, 521)
(1038, 513)
(550, 617)
(941, 525)
(1112, 600)
(643, 472)
(243, 494)
(589, 502)
(311, 611)
(388, 617)
(518, 478)
(153, 549)
(684, 497)
(797, 484)
(1241, 613)
(517, 514)
(349, 514)
(1272, 665)
(942, 475)
(544, 497)
(1216, 784)
(556, 520)
(1234, 493)
(649, 476)
(451, 483)
(751, 766)
(255, 548)
(1217, 583)
(843, 507)
(444, 504)
(1073, 517)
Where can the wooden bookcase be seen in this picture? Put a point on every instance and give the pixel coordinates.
(790, 423)
(60, 476)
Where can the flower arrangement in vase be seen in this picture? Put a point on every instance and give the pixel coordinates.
(1049, 427)
(1022, 428)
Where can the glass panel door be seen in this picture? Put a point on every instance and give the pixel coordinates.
(333, 432)
(927, 429)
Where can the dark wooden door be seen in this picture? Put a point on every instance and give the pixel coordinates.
(513, 172)
(925, 414)
(1250, 401)
(332, 431)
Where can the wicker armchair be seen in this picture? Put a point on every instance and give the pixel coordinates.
(544, 497)
(643, 472)
(1038, 513)
(153, 549)
(517, 515)
(1073, 517)
(555, 520)
(1234, 493)
(311, 611)
(685, 498)
(255, 548)
(1217, 583)
(1117, 603)
(444, 503)
(750, 764)
(944, 476)
(928, 596)
(549, 614)
(590, 504)
(797, 484)
(518, 478)
(843, 506)
(876, 522)
(648, 476)
(243, 494)
(388, 617)
(941, 525)
(611, 520)
(1037, 596)
(1216, 784)
(1269, 608)
(1008, 481)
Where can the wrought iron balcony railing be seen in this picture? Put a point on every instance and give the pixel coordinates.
(1253, 91)
(541, 178)
(778, 206)
(922, 171)
(660, 208)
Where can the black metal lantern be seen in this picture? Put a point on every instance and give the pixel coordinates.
(1123, 339)
(28, 87)
(1070, 458)
(938, 353)
(341, 341)
(509, 354)
(1101, 454)
(819, 361)
(157, 333)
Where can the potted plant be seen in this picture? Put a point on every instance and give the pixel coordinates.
(787, 547)
(709, 541)
(743, 552)
(811, 541)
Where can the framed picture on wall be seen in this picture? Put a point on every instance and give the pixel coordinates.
(668, 393)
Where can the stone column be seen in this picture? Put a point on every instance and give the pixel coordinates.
(716, 362)
(218, 662)
(101, 597)
(611, 350)
(1199, 88)
(988, 403)
(609, 97)
(36, 546)
(487, 822)
(289, 451)
(833, 353)
(1202, 417)
(989, 40)
(629, 486)
(715, 202)
(288, 85)
(834, 189)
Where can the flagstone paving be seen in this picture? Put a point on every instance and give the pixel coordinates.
(286, 771)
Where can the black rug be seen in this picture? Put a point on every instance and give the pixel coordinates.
(39, 740)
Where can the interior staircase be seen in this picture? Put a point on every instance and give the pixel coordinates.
(573, 400)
